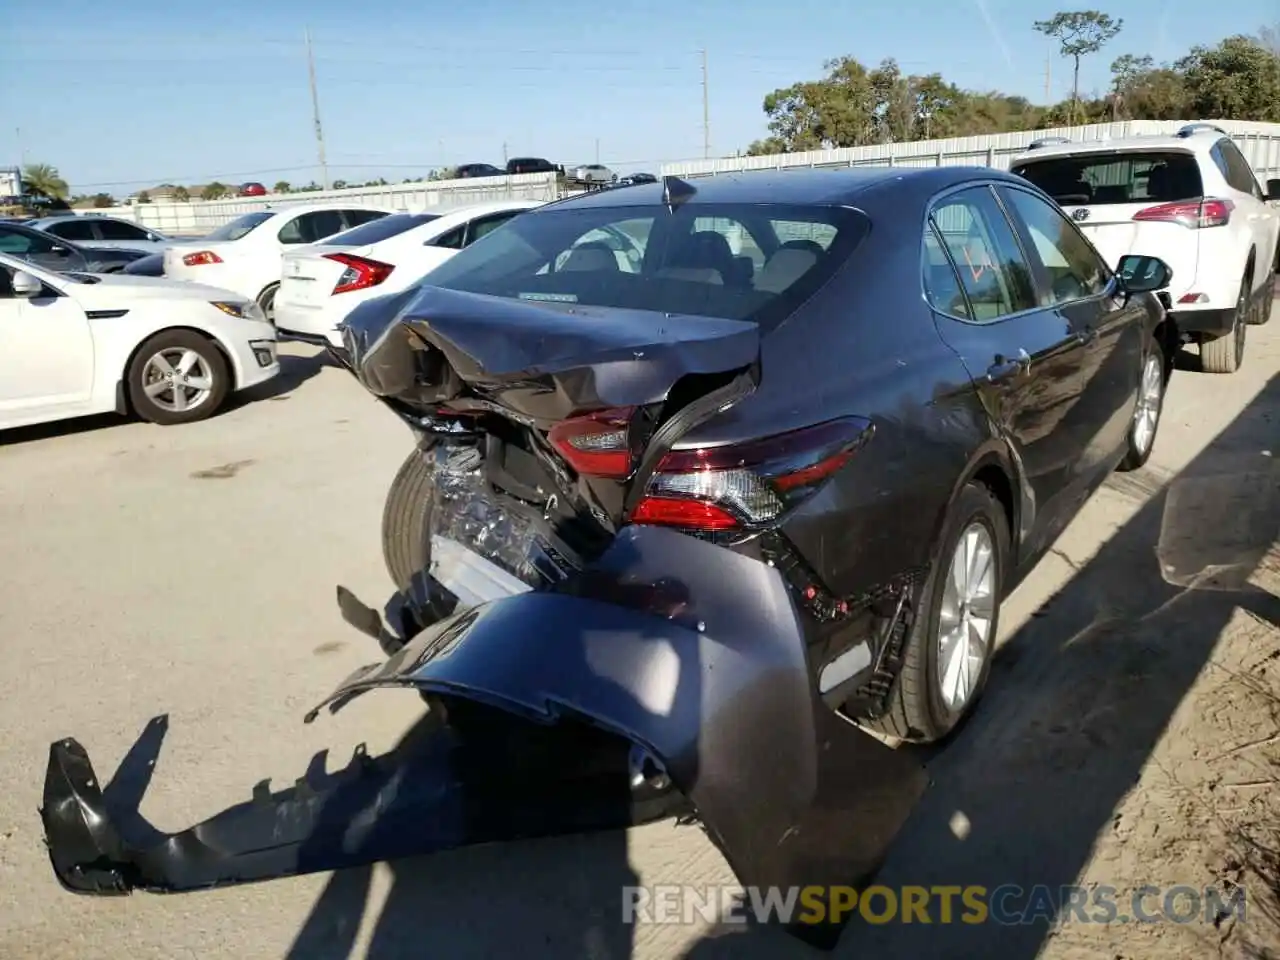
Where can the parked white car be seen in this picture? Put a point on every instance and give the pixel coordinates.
(99, 231)
(323, 282)
(1193, 201)
(244, 255)
(76, 344)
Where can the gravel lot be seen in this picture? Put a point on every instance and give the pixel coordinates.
(189, 573)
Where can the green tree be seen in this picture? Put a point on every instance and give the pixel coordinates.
(43, 180)
(181, 194)
(1239, 79)
(282, 186)
(101, 200)
(1145, 91)
(340, 185)
(143, 197)
(214, 191)
(1079, 33)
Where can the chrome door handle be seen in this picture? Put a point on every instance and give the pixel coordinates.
(1005, 368)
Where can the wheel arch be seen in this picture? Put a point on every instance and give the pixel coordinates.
(993, 466)
(122, 384)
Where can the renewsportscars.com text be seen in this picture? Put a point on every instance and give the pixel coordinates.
(1008, 904)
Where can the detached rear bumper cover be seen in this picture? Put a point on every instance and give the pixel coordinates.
(686, 649)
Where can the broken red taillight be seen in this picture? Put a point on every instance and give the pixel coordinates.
(1193, 214)
(598, 444)
(361, 272)
(710, 489)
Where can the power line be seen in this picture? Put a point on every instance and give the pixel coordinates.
(706, 111)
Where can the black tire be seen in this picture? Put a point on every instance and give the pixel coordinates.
(1263, 313)
(267, 302)
(406, 515)
(1225, 354)
(917, 711)
(141, 371)
(1139, 445)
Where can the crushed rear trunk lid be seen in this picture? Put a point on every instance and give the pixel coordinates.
(543, 361)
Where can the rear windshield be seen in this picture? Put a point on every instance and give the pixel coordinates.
(241, 226)
(1103, 178)
(384, 228)
(739, 262)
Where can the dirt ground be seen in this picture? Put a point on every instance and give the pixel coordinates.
(1130, 736)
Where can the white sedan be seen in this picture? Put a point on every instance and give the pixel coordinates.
(324, 282)
(244, 255)
(76, 344)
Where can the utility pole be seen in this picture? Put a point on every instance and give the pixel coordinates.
(504, 153)
(1048, 79)
(597, 149)
(706, 111)
(315, 111)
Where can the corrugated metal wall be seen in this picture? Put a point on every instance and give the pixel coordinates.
(1260, 143)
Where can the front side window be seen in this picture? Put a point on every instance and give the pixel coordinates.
(993, 271)
(1099, 179)
(685, 260)
(1072, 266)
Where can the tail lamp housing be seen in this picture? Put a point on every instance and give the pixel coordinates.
(736, 486)
(1197, 214)
(201, 258)
(361, 273)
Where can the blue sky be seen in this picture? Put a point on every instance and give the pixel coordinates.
(127, 95)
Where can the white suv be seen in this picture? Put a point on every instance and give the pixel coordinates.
(1190, 199)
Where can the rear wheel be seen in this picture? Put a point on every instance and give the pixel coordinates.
(1226, 353)
(948, 654)
(406, 543)
(177, 376)
(1146, 413)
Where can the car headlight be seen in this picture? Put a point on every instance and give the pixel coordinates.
(244, 310)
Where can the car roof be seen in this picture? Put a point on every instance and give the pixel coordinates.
(830, 186)
(303, 207)
(1196, 143)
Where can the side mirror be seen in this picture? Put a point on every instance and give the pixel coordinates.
(1273, 190)
(1140, 274)
(25, 285)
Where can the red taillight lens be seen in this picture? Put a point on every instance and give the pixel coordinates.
(598, 444)
(361, 273)
(201, 258)
(747, 484)
(1193, 214)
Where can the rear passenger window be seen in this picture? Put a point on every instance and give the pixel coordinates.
(453, 240)
(941, 282)
(74, 230)
(354, 218)
(480, 228)
(993, 271)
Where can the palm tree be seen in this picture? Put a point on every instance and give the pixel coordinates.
(181, 194)
(43, 180)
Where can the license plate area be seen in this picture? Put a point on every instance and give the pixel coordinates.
(486, 546)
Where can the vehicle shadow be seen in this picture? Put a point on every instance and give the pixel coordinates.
(1079, 698)
(294, 371)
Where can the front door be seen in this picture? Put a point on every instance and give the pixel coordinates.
(1023, 359)
(46, 351)
(1073, 280)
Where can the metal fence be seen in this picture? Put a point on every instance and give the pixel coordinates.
(1259, 142)
(198, 217)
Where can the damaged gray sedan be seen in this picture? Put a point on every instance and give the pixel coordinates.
(680, 526)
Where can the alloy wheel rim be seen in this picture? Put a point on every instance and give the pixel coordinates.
(1150, 397)
(177, 379)
(966, 616)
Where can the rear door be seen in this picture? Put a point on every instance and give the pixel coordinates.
(1104, 191)
(1024, 358)
(1074, 281)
